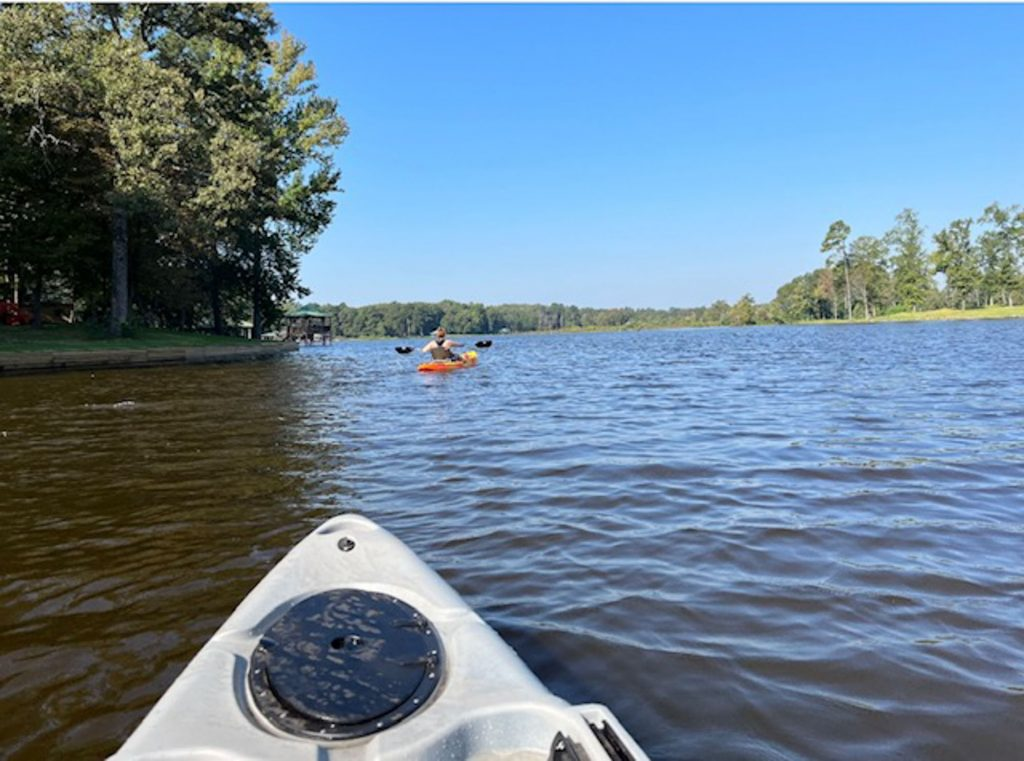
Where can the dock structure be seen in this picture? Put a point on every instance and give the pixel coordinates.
(307, 325)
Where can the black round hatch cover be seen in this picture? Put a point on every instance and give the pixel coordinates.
(345, 663)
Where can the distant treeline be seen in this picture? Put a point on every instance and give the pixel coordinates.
(403, 319)
(979, 260)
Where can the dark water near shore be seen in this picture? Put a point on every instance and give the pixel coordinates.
(765, 543)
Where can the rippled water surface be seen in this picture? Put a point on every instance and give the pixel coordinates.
(763, 543)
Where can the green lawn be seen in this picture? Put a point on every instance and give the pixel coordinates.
(90, 338)
(986, 313)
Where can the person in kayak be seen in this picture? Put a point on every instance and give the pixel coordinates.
(440, 348)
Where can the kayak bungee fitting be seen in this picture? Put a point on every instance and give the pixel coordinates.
(447, 365)
(352, 649)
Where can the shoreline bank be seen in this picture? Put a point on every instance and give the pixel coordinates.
(29, 362)
(934, 315)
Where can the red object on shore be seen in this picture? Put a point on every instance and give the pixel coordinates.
(12, 314)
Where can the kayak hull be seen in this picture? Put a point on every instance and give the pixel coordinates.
(446, 366)
(486, 704)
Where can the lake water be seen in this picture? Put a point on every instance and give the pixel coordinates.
(761, 543)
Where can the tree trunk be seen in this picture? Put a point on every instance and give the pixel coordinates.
(215, 303)
(257, 296)
(119, 273)
(218, 312)
(849, 298)
(37, 300)
(12, 283)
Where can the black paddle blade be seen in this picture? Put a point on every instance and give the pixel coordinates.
(483, 344)
(403, 349)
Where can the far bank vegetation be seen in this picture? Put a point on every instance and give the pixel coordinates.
(971, 264)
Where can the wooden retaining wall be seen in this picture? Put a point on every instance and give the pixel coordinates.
(19, 363)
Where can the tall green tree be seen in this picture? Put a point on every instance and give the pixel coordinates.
(835, 245)
(825, 290)
(868, 260)
(956, 257)
(283, 171)
(912, 283)
(82, 73)
(1000, 248)
(48, 230)
(43, 157)
(224, 52)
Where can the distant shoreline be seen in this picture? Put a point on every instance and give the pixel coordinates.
(934, 315)
(72, 350)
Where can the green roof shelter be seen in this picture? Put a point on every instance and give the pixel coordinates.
(308, 325)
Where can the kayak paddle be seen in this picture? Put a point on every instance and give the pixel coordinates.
(479, 345)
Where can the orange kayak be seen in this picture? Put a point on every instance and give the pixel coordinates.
(447, 365)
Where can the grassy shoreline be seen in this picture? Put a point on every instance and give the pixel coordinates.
(58, 338)
(933, 315)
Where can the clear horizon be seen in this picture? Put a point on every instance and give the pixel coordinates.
(647, 156)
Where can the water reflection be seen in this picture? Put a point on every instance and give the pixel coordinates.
(138, 506)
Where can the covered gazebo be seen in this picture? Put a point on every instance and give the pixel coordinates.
(308, 325)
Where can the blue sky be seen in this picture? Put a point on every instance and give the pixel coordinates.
(648, 155)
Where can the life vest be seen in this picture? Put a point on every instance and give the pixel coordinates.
(438, 351)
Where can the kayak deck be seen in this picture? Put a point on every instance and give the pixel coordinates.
(446, 365)
(352, 649)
